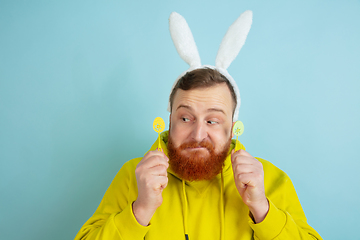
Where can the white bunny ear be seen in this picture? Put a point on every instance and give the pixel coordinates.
(233, 40)
(184, 40)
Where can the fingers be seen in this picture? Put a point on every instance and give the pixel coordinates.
(241, 152)
(248, 179)
(248, 174)
(152, 171)
(244, 158)
(246, 168)
(156, 153)
(157, 183)
(159, 170)
(248, 171)
(151, 178)
(163, 181)
(154, 158)
(151, 166)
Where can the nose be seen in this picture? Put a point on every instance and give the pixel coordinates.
(199, 132)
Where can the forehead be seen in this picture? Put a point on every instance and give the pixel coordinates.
(202, 99)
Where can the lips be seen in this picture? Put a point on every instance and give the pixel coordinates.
(196, 148)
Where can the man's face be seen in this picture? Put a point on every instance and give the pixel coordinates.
(201, 122)
(203, 114)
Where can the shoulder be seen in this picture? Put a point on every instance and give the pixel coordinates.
(272, 173)
(270, 167)
(131, 164)
(127, 171)
(277, 183)
(122, 190)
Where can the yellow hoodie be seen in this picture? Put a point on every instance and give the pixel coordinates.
(203, 210)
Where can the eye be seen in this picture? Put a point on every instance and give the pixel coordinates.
(211, 122)
(185, 119)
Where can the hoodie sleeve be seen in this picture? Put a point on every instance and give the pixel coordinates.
(286, 218)
(114, 218)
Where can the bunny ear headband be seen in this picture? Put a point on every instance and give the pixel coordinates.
(230, 46)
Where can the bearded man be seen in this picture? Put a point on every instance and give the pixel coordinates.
(197, 187)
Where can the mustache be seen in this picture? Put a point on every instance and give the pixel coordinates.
(194, 165)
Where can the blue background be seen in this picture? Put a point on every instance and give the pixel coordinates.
(81, 83)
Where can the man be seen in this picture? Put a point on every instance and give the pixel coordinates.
(197, 186)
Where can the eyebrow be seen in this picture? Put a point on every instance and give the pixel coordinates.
(208, 110)
(216, 110)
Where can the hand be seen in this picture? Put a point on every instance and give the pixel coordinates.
(249, 181)
(151, 178)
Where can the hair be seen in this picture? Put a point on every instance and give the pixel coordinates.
(202, 78)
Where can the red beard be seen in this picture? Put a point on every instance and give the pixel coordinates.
(196, 165)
